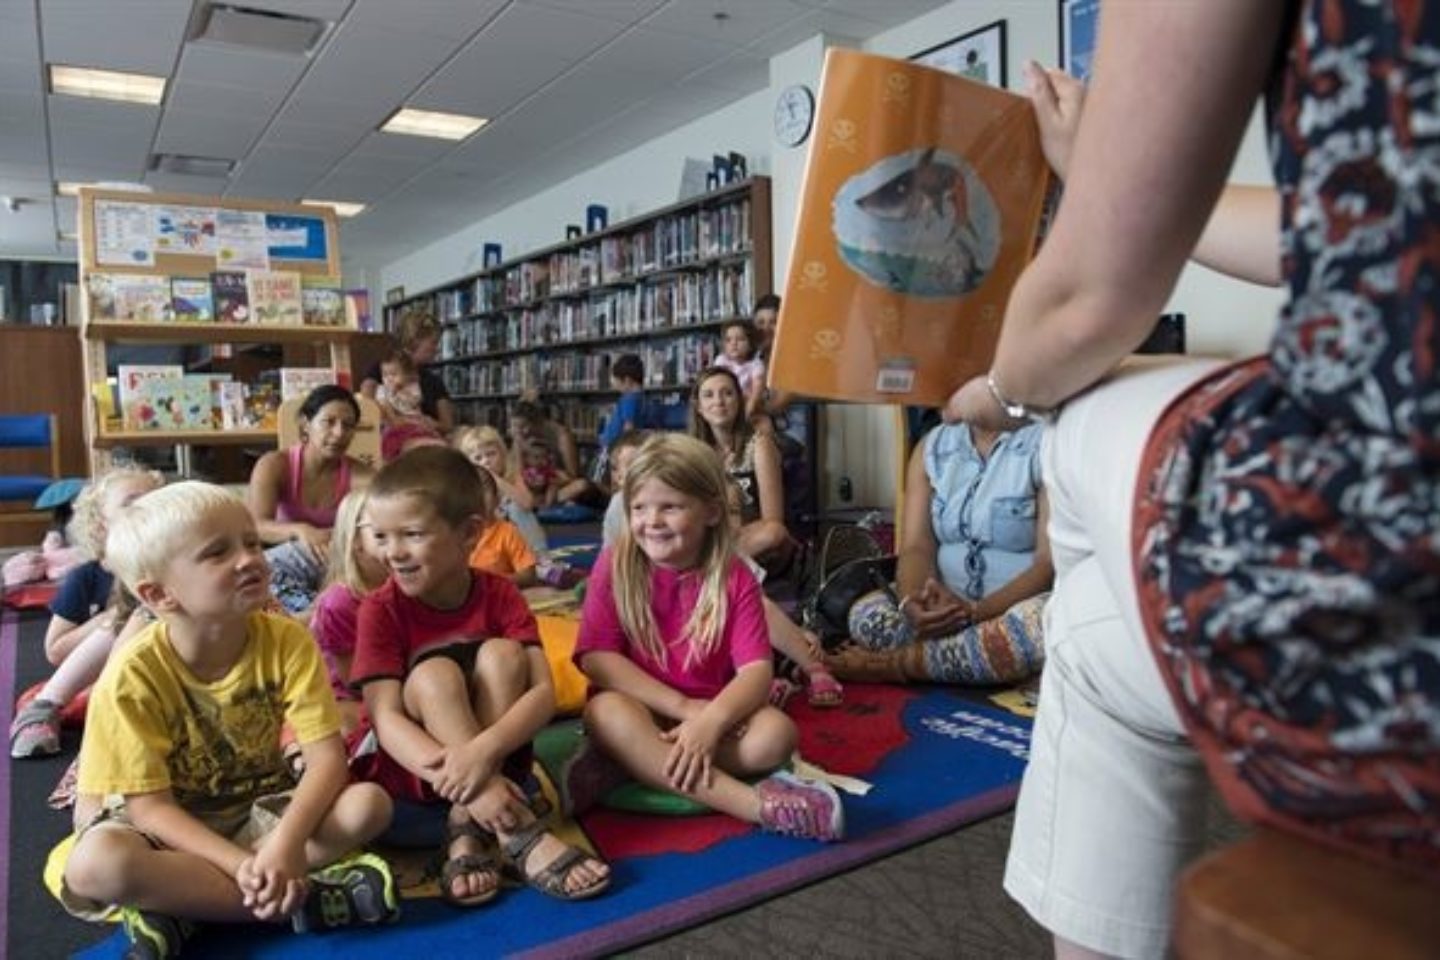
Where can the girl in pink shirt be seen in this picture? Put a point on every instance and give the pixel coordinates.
(674, 642)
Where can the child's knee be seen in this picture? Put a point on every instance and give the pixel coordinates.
(608, 712)
(773, 737)
(434, 677)
(503, 661)
(103, 865)
(365, 809)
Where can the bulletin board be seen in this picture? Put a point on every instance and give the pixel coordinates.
(169, 234)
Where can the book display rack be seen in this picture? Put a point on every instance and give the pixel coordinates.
(190, 271)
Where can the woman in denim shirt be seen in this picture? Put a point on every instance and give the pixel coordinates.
(973, 572)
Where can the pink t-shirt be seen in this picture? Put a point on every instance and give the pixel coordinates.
(334, 621)
(748, 372)
(673, 594)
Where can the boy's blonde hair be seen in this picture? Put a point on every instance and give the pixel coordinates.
(87, 520)
(469, 440)
(692, 468)
(150, 532)
(442, 477)
(344, 540)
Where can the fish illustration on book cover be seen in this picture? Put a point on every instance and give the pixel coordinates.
(920, 207)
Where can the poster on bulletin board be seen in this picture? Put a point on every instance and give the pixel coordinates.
(296, 237)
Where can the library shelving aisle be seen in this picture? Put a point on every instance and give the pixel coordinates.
(658, 285)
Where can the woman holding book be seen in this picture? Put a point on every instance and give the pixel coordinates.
(294, 494)
(419, 336)
(1248, 580)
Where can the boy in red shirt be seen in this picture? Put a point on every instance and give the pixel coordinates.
(456, 683)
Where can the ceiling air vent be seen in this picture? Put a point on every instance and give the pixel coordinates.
(216, 167)
(264, 30)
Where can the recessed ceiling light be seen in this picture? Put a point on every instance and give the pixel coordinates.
(106, 84)
(341, 208)
(429, 123)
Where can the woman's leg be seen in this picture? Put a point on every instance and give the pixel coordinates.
(1112, 804)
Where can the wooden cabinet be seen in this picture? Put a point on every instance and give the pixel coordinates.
(659, 285)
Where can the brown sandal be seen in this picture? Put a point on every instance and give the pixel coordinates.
(464, 864)
(551, 878)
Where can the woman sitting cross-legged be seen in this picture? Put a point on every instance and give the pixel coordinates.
(973, 571)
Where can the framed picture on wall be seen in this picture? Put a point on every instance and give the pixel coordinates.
(1079, 22)
(979, 54)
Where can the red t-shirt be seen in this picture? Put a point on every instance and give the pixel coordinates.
(395, 630)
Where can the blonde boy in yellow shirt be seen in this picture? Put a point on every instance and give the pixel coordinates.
(202, 820)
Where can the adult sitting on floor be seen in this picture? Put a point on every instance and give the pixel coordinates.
(547, 458)
(973, 572)
(294, 493)
(752, 461)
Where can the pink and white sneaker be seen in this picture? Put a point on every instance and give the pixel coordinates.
(797, 807)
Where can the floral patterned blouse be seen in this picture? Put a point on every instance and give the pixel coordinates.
(1287, 534)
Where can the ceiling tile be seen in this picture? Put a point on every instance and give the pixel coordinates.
(17, 40)
(224, 102)
(662, 58)
(204, 134)
(487, 79)
(373, 67)
(262, 73)
(21, 75)
(137, 35)
(436, 18)
(622, 11)
(183, 183)
(378, 144)
(335, 141)
(553, 34)
(747, 20)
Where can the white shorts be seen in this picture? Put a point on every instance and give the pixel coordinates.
(1113, 801)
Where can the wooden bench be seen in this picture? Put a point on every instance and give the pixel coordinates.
(1274, 896)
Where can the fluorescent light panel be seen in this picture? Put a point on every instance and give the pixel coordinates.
(68, 236)
(429, 123)
(69, 188)
(341, 208)
(106, 84)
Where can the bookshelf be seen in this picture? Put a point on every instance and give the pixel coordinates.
(152, 269)
(659, 285)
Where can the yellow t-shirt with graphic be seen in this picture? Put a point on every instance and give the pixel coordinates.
(153, 725)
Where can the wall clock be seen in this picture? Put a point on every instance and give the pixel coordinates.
(794, 114)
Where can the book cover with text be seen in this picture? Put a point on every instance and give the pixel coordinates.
(274, 297)
(232, 302)
(920, 206)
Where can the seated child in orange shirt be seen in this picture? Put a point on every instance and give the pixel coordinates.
(502, 549)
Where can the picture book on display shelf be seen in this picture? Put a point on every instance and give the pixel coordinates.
(921, 205)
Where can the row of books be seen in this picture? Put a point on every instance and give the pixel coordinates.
(279, 297)
(163, 397)
(680, 301)
(673, 363)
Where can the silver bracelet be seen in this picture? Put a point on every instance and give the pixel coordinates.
(1014, 409)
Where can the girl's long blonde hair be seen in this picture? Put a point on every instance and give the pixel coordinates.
(344, 539)
(87, 521)
(690, 467)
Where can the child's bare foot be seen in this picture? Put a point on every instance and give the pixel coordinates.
(552, 866)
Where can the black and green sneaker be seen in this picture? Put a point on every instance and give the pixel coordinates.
(356, 891)
(153, 936)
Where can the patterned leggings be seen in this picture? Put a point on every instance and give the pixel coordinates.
(1004, 649)
(295, 576)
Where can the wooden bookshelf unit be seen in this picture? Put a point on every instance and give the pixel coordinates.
(659, 285)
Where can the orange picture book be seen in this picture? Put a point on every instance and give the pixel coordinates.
(921, 204)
